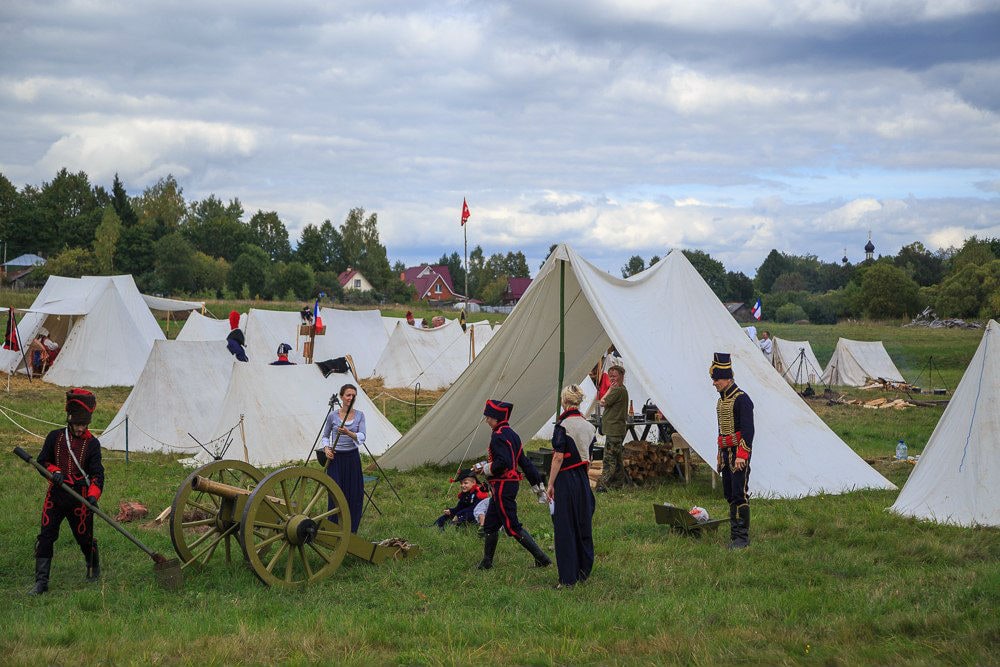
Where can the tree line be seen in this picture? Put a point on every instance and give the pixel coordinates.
(206, 248)
(954, 282)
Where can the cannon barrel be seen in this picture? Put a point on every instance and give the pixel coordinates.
(207, 485)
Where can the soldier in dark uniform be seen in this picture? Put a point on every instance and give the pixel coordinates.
(282, 359)
(505, 456)
(735, 411)
(73, 455)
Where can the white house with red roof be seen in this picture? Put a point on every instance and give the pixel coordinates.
(431, 282)
(351, 279)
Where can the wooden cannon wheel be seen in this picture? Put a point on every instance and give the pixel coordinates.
(197, 525)
(286, 531)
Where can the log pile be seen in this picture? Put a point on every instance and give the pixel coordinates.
(875, 403)
(644, 460)
(928, 318)
(594, 472)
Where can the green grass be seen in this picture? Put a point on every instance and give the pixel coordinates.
(828, 580)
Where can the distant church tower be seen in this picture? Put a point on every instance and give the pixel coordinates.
(844, 260)
(869, 247)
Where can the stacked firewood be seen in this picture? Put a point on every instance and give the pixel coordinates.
(645, 460)
(594, 472)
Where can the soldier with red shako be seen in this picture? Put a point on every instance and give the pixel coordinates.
(73, 455)
(735, 413)
(506, 455)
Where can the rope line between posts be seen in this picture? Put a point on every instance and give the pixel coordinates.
(183, 447)
(3, 411)
(104, 431)
(419, 405)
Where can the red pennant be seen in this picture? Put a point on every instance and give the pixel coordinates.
(465, 212)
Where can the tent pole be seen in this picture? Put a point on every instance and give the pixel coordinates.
(562, 334)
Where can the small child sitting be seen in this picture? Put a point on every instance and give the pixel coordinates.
(479, 511)
(468, 498)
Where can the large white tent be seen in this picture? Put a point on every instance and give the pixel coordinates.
(103, 326)
(795, 361)
(282, 410)
(180, 391)
(359, 333)
(433, 357)
(957, 480)
(669, 322)
(854, 362)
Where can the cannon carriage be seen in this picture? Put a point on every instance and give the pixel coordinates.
(293, 525)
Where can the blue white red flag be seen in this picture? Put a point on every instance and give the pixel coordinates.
(756, 310)
(317, 318)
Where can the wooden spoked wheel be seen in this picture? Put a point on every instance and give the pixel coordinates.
(288, 532)
(198, 523)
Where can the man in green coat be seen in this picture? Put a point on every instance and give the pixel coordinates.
(615, 412)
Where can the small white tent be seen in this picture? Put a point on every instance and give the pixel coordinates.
(854, 362)
(795, 361)
(199, 327)
(283, 408)
(433, 357)
(666, 319)
(956, 479)
(103, 326)
(180, 391)
(359, 333)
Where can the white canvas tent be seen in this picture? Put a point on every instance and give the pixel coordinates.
(283, 408)
(795, 361)
(359, 333)
(102, 324)
(854, 362)
(956, 479)
(180, 391)
(670, 322)
(199, 327)
(433, 357)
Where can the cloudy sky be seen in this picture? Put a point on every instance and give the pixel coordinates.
(621, 127)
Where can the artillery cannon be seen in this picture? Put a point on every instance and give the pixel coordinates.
(293, 525)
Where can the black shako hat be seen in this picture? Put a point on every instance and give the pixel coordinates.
(80, 405)
(722, 366)
(498, 410)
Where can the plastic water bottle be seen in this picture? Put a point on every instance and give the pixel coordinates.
(900, 450)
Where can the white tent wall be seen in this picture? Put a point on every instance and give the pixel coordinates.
(180, 391)
(855, 361)
(283, 408)
(200, 327)
(669, 320)
(433, 357)
(359, 333)
(795, 361)
(956, 479)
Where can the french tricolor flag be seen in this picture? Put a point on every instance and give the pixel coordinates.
(756, 310)
(318, 319)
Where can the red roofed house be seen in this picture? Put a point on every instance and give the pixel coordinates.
(351, 279)
(432, 283)
(515, 290)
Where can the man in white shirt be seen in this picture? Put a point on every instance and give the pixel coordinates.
(766, 345)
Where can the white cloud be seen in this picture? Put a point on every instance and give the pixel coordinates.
(140, 148)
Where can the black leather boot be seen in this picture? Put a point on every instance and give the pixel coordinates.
(93, 565)
(489, 548)
(541, 560)
(42, 568)
(741, 529)
(732, 522)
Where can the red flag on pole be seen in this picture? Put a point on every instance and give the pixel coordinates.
(465, 211)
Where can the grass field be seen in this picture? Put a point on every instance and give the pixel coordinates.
(828, 580)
